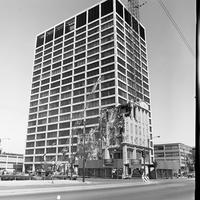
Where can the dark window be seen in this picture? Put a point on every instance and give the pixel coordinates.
(93, 14)
(52, 127)
(121, 69)
(68, 48)
(93, 24)
(67, 74)
(48, 45)
(64, 133)
(135, 24)
(67, 67)
(92, 112)
(79, 91)
(39, 50)
(79, 84)
(108, 84)
(65, 81)
(108, 76)
(49, 35)
(142, 32)
(127, 17)
(94, 30)
(58, 46)
(122, 101)
(58, 40)
(92, 73)
(107, 68)
(108, 92)
(78, 107)
(65, 95)
(81, 36)
(67, 60)
(146, 99)
(119, 60)
(55, 65)
(80, 43)
(46, 69)
(66, 102)
(40, 40)
(41, 128)
(59, 30)
(92, 121)
(145, 79)
(65, 109)
(64, 125)
(44, 87)
(79, 77)
(69, 35)
(93, 65)
(78, 99)
(119, 8)
(66, 88)
(106, 32)
(81, 20)
(69, 41)
(81, 69)
(80, 30)
(94, 37)
(92, 80)
(54, 98)
(107, 60)
(47, 56)
(69, 25)
(106, 7)
(108, 101)
(107, 18)
(82, 55)
(55, 84)
(139, 95)
(54, 78)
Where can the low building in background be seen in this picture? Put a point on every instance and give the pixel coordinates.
(173, 159)
(11, 162)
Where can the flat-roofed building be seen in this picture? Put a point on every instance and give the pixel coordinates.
(11, 162)
(94, 60)
(174, 156)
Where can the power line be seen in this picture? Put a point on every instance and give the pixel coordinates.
(176, 26)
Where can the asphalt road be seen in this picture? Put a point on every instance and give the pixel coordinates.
(175, 190)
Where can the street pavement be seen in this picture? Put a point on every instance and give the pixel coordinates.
(101, 189)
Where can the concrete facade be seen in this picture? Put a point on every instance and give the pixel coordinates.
(173, 156)
(94, 60)
(11, 162)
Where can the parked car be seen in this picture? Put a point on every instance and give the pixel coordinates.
(73, 176)
(191, 175)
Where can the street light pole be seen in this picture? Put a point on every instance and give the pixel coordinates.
(144, 162)
(84, 152)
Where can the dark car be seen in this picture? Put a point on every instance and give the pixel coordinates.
(191, 175)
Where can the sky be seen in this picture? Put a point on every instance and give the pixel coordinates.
(171, 64)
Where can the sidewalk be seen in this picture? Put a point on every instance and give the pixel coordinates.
(8, 188)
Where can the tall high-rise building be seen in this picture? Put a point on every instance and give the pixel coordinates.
(100, 50)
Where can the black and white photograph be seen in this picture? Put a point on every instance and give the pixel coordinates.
(99, 100)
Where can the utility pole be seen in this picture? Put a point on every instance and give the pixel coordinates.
(144, 155)
(84, 150)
